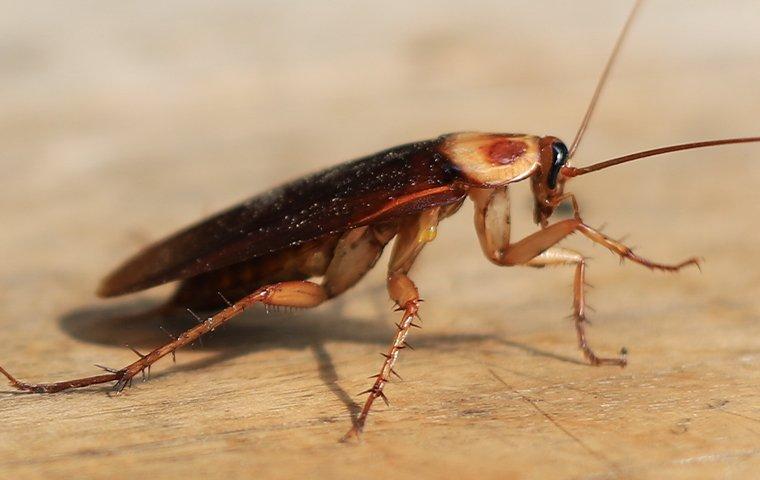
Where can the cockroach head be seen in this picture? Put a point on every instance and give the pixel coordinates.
(492, 160)
(548, 182)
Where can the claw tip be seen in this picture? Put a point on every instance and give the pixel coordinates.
(355, 432)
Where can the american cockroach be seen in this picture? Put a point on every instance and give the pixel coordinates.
(335, 224)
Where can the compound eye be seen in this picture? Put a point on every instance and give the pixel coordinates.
(559, 158)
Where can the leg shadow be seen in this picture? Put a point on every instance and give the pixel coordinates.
(329, 375)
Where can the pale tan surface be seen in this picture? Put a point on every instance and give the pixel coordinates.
(121, 123)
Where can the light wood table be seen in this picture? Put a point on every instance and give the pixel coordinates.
(122, 122)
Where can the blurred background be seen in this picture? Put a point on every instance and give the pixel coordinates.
(121, 122)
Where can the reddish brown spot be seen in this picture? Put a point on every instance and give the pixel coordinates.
(504, 152)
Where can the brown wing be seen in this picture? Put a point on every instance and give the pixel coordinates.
(375, 188)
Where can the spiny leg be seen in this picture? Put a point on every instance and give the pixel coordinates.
(300, 294)
(492, 222)
(616, 246)
(626, 252)
(529, 247)
(410, 309)
(563, 256)
(539, 244)
(412, 237)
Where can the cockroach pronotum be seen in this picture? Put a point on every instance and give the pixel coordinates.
(335, 224)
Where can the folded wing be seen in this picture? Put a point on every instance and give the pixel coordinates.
(371, 189)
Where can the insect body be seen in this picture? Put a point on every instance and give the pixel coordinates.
(335, 224)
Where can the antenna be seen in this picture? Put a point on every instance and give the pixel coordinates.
(574, 172)
(603, 79)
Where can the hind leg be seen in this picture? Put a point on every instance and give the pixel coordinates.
(355, 253)
(300, 294)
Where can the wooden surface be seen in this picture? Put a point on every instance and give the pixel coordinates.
(122, 122)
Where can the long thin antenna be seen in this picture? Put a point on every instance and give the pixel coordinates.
(574, 172)
(603, 79)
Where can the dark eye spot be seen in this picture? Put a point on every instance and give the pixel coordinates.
(559, 158)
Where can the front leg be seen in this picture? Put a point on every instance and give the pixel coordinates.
(613, 245)
(492, 222)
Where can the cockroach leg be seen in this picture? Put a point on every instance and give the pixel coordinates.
(397, 283)
(413, 235)
(299, 294)
(492, 222)
(529, 247)
(563, 256)
(627, 253)
(355, 254)
(529, 250)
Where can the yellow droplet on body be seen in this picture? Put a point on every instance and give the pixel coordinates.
(428, 235)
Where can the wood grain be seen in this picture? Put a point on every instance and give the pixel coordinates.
(122, 122)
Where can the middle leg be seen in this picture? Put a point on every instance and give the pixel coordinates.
(413, 234)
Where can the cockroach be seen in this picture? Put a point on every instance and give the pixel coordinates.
(335, 224)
